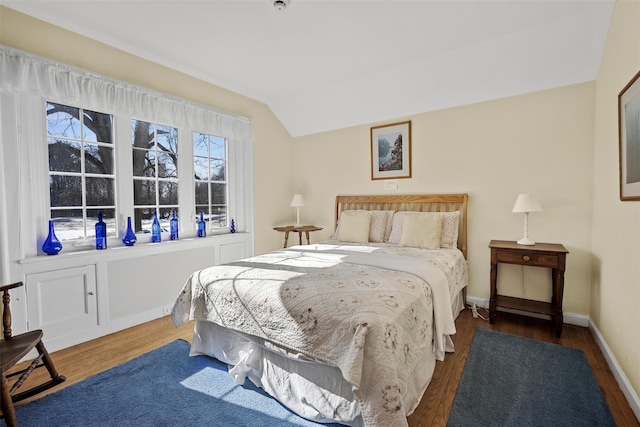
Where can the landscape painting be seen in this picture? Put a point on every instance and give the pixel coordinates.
(629, 130)
(391, 151)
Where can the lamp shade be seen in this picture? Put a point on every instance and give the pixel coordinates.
(526, 203)
(297, 201)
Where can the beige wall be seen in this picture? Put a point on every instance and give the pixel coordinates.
(540, 143)
(272, 143)
(615, 289)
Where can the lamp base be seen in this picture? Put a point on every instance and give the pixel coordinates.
(526, 241)
(298, 225)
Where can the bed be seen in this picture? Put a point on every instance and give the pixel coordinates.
(347, 330)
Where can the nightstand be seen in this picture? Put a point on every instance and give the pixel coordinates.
(547, 255)
(306, 229)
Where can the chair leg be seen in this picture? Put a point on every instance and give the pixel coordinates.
(55, 377)
(48, 362)
(6, 403)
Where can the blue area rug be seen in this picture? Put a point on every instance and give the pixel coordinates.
(164, 387)
(514, 381)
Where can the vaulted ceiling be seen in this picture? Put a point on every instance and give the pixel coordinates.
(328, 64)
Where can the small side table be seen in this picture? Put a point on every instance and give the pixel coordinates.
(306, 229)
(549, 255)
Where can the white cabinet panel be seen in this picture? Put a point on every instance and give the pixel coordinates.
(62, 302)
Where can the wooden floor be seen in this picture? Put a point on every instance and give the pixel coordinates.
(87, 359)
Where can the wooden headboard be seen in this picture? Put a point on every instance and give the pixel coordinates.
(411, 202)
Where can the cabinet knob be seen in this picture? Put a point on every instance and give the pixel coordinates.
(90, 292)
(526, 258)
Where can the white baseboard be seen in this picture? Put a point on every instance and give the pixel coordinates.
(584, 321)
(618, 373)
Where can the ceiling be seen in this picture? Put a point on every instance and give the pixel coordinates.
(328, 64)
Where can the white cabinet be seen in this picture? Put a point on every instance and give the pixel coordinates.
(62, 302)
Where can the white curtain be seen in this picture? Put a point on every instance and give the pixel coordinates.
(29, 74)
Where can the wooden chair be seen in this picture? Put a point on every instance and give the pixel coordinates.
(12, 350)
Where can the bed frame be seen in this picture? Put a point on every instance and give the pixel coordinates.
(416, 203)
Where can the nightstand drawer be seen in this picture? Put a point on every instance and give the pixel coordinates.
(528, 258)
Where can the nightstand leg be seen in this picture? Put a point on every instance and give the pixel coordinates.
(286, 237)
(494, 292)
(556, 299)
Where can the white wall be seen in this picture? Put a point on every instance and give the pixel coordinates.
(540, 143)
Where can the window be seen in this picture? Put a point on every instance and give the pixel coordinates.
(210, 171)
(81, 172)
(155, 173)
(97, 159)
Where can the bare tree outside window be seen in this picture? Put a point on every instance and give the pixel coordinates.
(155, 173)
(210, 169)
(81, 172)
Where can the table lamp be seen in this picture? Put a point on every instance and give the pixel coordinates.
(297, 202)
(526, 203)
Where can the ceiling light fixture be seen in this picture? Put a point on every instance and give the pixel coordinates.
(280, 4)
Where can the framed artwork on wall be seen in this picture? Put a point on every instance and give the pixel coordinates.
(629, 137)
(391, 151)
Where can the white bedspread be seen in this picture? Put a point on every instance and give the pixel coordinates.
(327, 303)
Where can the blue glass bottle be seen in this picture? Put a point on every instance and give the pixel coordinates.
(101, 233)
(202, 226)
(173, 225)
(233, 226)
(51, 245)
(129, 238)
(156, 234)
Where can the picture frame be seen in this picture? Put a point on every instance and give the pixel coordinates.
(629, 139)
(391, 151)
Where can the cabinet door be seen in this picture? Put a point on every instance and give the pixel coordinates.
(62, 302)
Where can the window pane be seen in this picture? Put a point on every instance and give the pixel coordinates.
(98, 159)
(204, 209)
(63, 121)
(168, 192)
(202, 193)
(201, 167)
(217, 146)
(144, 192)
(166, 138)
(100, 192)
(143, 217)
(218, 216)
(144, 163)
(65, 190)
(218, 194)
(217, 170)
(167, 167)
(200, 145)
(97, 127)
(64, 156)
(142, 134)
(109, 218)
(69, 223)
(164, 217)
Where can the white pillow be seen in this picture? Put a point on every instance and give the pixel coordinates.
(421, 231)
(377, 228)
(354, 226)
(388, 226)
(449, 233)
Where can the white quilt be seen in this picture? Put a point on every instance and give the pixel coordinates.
(368, 312)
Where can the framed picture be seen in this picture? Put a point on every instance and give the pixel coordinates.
(391, 151)
(629, 131)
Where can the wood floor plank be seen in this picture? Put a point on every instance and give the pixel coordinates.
(87, 359)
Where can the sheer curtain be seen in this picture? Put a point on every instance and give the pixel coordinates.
(29, 74)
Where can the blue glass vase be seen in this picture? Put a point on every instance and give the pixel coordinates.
(202, 226)
(173, 225)
(129, 238)
(101, 233)
(156, 233)
(51, 245)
